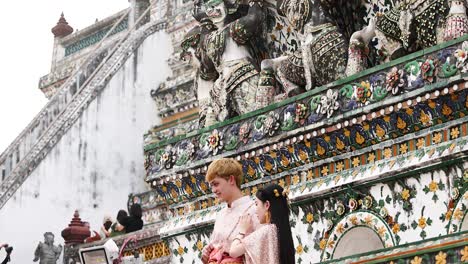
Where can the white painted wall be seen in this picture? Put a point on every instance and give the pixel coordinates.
(97, 163)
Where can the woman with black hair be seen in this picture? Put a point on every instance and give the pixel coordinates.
(272, 242)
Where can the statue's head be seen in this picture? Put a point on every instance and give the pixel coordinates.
(191, 42)
(216, 10)
(49, 238)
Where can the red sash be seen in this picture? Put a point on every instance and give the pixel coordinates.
(218, 256)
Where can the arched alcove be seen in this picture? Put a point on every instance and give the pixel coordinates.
(358, 240)
(358, 232)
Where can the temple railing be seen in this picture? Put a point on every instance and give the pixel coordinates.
(148, 244)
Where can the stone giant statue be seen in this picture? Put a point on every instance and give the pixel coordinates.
(46, 252)
(228, 67)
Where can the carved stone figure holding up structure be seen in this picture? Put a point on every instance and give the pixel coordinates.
(232, 82)
(337, 39)
(46, 252)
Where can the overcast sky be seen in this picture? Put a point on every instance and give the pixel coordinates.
(26, 52)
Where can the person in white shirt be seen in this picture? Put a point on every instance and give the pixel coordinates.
(225, 178)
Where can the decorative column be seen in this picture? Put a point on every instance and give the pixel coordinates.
(61, 30)
(76, 232)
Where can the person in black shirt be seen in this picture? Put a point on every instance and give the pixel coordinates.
(117, 228)
(133, 222)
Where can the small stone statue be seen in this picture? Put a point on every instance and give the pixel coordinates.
(46, 252)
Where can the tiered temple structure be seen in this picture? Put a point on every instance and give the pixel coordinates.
(359, 108)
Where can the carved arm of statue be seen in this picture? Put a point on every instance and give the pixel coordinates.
(273, 64)
(358, 49)
(366, 34)
(58, 251)
(206, 73)
(37, 252)
(207, 117)
(270, 70)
